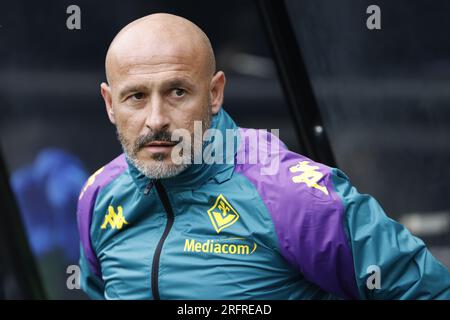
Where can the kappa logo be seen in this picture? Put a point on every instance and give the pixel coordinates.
(309, 175)
(115, 220)
(222, 214)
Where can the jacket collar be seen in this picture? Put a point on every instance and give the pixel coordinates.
(197, 174)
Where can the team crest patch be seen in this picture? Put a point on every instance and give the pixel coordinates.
(222, 214)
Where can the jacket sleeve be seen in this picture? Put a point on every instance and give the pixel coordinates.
(91, 276)
(89, 282)
(339, 239)
(389, 262)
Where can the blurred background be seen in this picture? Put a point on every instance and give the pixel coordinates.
(384, 98)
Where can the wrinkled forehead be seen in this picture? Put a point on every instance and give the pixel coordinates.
(155, 56)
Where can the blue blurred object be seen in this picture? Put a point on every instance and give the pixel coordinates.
(47, 193)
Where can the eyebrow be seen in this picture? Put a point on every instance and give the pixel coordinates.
(171, 83)
(178, 82)
(131, 88)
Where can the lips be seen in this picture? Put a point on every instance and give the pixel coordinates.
(161, 144)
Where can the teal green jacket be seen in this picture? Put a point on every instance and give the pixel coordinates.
(230, 230)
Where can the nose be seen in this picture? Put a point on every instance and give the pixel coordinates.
(157, 118)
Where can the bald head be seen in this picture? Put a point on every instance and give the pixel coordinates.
(152, 38)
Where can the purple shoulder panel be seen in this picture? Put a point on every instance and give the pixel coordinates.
(307, 213)
(86, 203)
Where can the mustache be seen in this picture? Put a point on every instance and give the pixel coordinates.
(164, 135)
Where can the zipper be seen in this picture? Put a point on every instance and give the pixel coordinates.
(149, 187)
(170, 218)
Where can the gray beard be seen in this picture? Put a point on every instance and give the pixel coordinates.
(160, 169)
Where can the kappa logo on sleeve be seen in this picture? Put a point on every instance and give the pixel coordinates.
(90, 181)
(308, 175)
(222, 214)
(115, 220)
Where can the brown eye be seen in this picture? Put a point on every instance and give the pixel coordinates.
(138, 96)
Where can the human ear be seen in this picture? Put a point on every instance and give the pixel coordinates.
(106, 94)
(216, 91)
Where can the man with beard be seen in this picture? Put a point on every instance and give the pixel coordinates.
(155, 227)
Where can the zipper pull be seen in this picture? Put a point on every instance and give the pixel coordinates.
(149, 187)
